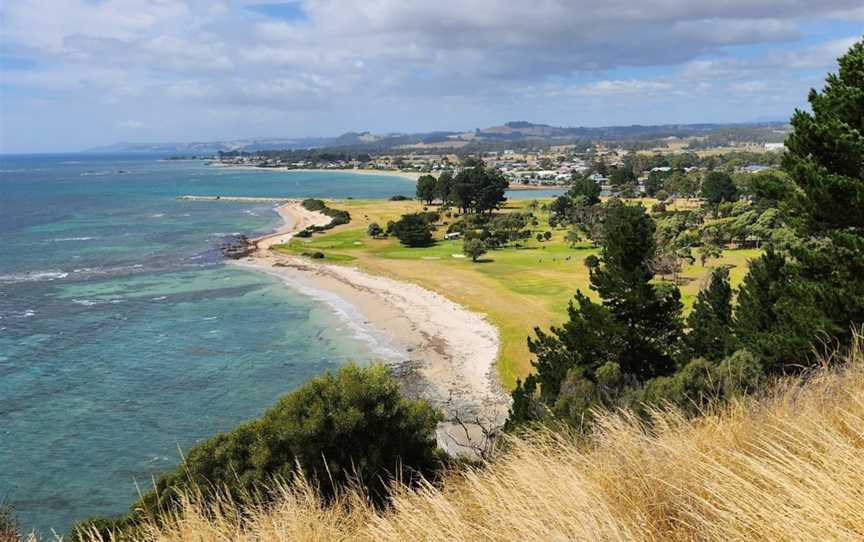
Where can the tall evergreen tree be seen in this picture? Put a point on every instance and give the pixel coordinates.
(635, 328)
(584, 186)
(649, 319)
(710, 322)
(778, 318)
(426, 188)
(444, 186)
(825, 151)
(819, 292)
(719, 187)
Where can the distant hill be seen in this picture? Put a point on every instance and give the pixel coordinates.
(516, 131)
(211, 147)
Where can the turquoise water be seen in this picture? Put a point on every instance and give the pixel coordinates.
(124, 337)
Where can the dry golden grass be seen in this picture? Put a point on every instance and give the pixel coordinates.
(785, 467)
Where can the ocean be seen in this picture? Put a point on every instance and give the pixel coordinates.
(124, 338)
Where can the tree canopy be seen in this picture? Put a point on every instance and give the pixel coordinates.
(719, 187)
(710, 322)
(632, 333)
(813, 286)
(427, 188)
(586, 187)
(413, 230)
(478, 188)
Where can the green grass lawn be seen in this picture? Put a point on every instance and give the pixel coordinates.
(518, 288)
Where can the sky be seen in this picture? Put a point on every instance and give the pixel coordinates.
(76, 74)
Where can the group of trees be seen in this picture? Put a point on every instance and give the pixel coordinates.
(476, 188)
(580, 208)
(684, 235)
(481, 232)
(476, 191)
(637, 164)
(633, 347)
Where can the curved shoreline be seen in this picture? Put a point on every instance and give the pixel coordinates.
(449, 351)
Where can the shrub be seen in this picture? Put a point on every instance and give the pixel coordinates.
(399, 197)
(413, 230)
(740, 373)
(313, 204)
(374, 230)
(474, 248)
(351, 427)
(337, 216)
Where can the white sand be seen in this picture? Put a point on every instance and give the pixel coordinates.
(452, 351)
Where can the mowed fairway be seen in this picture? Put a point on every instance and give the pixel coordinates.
(517, 288)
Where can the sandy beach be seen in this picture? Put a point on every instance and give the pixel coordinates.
(448, 353)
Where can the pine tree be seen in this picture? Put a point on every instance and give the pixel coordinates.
(710, 322)
(818, 292)
(650, 320)
(718, 187)
(825, 151)
(636, 327)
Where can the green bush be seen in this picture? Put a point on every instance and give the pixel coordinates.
(740, 373)
(701, 382)
(413, 230)
(313, 204)
(338, 217)
(351, 427)
(474, 248)
(374, 230)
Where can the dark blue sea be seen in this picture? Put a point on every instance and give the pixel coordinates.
(125, 338)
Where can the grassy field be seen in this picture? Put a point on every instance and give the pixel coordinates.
(517, 288)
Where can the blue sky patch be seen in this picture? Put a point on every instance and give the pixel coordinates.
(286, 11)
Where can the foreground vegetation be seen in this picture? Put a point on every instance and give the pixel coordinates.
(786, 466)
(306, 433)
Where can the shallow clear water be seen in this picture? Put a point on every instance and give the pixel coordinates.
(124, 337)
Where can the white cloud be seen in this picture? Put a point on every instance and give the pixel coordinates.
(374, 57)
(817, 56)
(631, 86)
